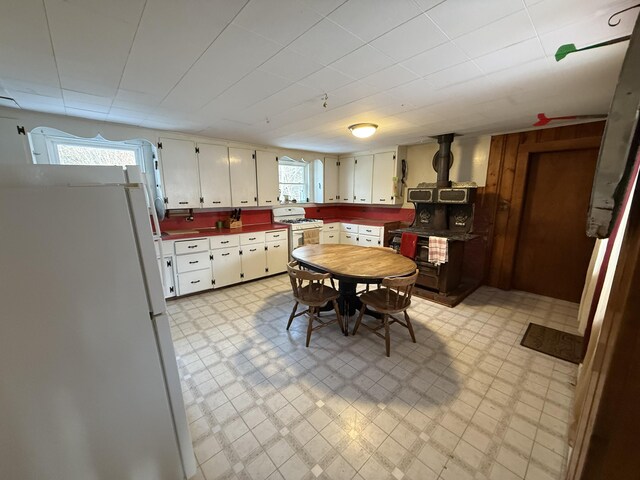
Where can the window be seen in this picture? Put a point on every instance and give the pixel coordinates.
(71, 151)
(294, 180)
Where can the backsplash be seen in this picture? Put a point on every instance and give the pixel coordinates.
(259, 216)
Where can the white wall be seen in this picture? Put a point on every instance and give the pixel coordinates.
(111, 131)
(13, 147)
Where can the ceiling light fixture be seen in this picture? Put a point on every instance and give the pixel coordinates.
(363, 130)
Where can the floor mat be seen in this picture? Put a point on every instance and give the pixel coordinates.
(556, 343)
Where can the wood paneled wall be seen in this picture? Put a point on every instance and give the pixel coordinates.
(500, 207)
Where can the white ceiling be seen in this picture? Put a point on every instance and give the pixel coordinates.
(257, 70)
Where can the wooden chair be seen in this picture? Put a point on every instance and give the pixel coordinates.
(309, 289)
(394, 297)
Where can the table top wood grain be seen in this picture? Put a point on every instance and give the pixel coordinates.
(350, 261)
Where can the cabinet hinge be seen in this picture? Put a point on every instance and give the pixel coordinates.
(394, 157)
(356, 162)
(171, 289)
(197, 149)
(255, 199)
(168, 263)
(337, 164)
(253, 155)
(266, 270)
(277, 159)
(307, 199)
(160, 145)
(201, 199)
(210, 257)
(213, 282)
(240, 252)
(266, 248)
(166, 200)
(21, 130)
(242, 275)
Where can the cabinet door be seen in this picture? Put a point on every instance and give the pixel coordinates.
(242, 168)
(383, 173)
(226, 266)
(180, 173)
(330, 237)
(346, 172)
(268, 179)
(277, 256)
(363, 177)
(331, 180)
(169, 282)
(368, 241)
(215, 186)
(254, 261)
(348, 238)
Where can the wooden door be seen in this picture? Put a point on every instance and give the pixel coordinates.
(242, 170)
(383, 173)
(363, 178)
(345, 173)
(330, 180)
(213, 163)
(553, 250)
(180, 171)
(268, 179)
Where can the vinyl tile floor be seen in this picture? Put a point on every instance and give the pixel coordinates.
(464, 402)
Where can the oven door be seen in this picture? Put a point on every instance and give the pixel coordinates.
(296, 238)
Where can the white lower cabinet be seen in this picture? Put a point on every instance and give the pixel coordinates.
(277, 256)
(191, 282)
(166, 264)
(368, 241)
(254, 261)
(227, 266)
(193, 267)
(330, 237)
(347, 238)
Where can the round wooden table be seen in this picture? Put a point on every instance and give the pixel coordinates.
(351, 265)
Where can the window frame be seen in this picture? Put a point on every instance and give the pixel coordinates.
(98, 142)
(288, 161)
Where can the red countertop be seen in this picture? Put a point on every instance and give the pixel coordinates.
(212, 232)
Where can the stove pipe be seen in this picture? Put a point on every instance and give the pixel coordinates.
(440, 220)
(444, 155)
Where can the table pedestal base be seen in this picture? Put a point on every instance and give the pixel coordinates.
(349, 304)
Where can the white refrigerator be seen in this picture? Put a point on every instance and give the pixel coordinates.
(89, 385)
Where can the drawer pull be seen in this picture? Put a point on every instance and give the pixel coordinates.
(267, 201)
(244, 201)
(195, 281)
(383, 199)
(367, 230)
(331, 236)
(252, 238)
(192, 246)
(275, 236)
(226, 241)
(193, 261)
(363, 199)
(252, 249)
(216, 201)
(226, 254)
(183, 203)
(276, 246)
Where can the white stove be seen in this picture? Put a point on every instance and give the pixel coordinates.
(295, 218)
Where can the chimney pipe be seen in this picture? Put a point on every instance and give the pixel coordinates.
(444, 155)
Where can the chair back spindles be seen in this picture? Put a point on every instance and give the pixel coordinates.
(399, 289)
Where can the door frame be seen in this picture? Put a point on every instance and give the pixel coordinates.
(515, 209)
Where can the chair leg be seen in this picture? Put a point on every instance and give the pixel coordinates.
(387, 337)
(360, 315)
(312, 311)
(335, 307)
(293, 314)
(409, 326)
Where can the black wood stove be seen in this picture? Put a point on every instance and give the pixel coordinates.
(443, 209)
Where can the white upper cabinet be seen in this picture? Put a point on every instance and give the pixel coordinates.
(242, 167)
(385, 178)
(331, 194)
(180, 173)
(268, 180)
(213, 162)
(363, 176)
(346, 175)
